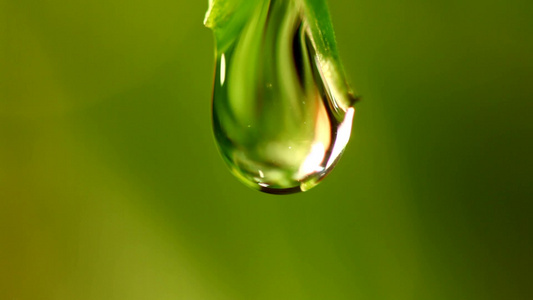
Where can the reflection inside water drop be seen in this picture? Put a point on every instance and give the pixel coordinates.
(279, 124)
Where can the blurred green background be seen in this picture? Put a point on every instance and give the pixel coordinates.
(111, 186)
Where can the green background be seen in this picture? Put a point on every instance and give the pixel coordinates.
(111, 186)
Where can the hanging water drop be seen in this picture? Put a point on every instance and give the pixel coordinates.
(282, 112)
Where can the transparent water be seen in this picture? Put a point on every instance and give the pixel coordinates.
(280, 123)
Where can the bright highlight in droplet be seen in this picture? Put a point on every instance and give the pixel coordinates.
(222, 69)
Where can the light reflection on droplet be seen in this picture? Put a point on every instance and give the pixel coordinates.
(222, 69)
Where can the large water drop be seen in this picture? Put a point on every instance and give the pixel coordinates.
(280, 119)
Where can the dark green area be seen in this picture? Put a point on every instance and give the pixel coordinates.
(111, 186)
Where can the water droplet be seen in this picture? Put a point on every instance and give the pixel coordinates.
(280, 119)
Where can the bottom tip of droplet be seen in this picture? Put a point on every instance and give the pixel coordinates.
(286, 191)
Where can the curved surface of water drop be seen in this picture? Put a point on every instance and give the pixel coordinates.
(279, 122)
